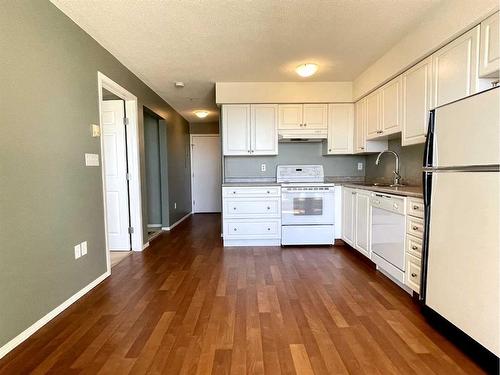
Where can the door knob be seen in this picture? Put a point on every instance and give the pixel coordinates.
(413, 274)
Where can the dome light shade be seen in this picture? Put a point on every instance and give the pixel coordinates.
(201, 113)
(306, 70)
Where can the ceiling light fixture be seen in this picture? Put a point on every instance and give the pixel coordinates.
(201, 113)
(306, 70)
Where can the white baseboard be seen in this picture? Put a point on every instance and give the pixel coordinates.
(154, 225)
(51, 315)
(146, 245)
(177, 222)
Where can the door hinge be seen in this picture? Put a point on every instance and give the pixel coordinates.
(125, 121)
(130, 230)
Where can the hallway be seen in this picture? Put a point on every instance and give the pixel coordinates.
(186, 305)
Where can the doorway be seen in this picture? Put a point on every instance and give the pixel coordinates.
(120, 168)
(206, 173)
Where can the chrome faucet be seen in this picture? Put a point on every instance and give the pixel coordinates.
(397, 175)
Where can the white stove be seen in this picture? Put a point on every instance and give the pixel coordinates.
(307, 205)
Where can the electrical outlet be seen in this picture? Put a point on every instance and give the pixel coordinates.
(78, 251)
(83, 247)
(263, 167)
(360, 166)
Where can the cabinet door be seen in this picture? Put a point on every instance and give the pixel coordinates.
(315, 116)
(348, 211)
(417, 83)
(359, 126)
(362, 223)
(290, 116)
(455, 68)
(390, 106)
(264, 129)
(236, 129)
(340, 128)
(373, 128)
(489, 61)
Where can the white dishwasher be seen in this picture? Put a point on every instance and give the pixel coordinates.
(388, 234)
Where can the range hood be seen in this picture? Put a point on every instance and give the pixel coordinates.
(301, 136)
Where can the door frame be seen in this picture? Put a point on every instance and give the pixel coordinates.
(191, 136)
(135, 193)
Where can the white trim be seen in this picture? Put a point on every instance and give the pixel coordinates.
(177, 222)
(51, 315)
(191, 160)
(131, 108)
(154, 225)
(145, 245)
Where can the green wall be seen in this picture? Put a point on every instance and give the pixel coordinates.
(49, 201)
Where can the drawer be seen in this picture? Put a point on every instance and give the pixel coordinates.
(252, 229)
(414, 246)
(252, 191)
(415, 207)
(252, 207)
(415, 227)
(412, 273)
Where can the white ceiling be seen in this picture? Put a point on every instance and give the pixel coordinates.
(201, 42)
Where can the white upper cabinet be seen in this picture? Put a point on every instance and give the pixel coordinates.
(236, 129)
(390, 107)
(489, 60)
(315, 116)
(373, 124)
(417, 83)
(340, 129)
(455, 68)
(264, 129)
(250, 129)
(290, 116)
(361, 145)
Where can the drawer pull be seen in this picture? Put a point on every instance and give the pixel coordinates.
(235, 229)
(268, 192)
(414, 247)
(268, 228)
(234, 208)
(415, 207)
(268, 207)
(234, 192)
(413, 274)
(414, 227)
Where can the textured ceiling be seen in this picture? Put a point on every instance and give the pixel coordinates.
(201, 42)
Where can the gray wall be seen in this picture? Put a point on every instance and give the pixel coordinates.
(204, 128)
(293, 153)
(153, 167)
(410, 164)
(49, 201)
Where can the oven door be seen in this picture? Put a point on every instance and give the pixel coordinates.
(303, 207)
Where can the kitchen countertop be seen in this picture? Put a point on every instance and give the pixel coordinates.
(407, 191)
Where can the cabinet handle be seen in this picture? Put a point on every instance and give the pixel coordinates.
(268, 207)
(379, 132)
(414, 247)
(268, 192)
(235, 229)
(252, 151)
(495, 83)
(413, 274)
(234, 192)
(415, 207)
(329, 150)
(268, 228)
(234, 208)
(361, 148)
(353, 192)
(414, 227)
(305, 124)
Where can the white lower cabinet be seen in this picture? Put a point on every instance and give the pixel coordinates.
(414, 237)
(251, 215)
(356, 219)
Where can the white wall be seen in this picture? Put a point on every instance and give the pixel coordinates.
(283, 92)
(441, 25)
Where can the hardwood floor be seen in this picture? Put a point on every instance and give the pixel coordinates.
(186, 305)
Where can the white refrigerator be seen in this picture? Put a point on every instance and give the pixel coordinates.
(461, 252)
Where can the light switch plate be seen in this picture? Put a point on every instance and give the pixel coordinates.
(92, 160)
(360, 166)
(78, 251)
(83, 247)
(96, 130)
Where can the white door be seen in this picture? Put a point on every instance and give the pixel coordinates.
(362, 223)
(206, 173)
(236, 129)
(264, 129)
(348, 212)
(416, 102)
(115, 168)
(340, 128)
(455, 68)
(373, 127)
(290, 116)
(315, 116)
(390, 99)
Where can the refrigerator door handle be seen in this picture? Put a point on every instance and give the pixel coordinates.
(427, 187)
(429, 141)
